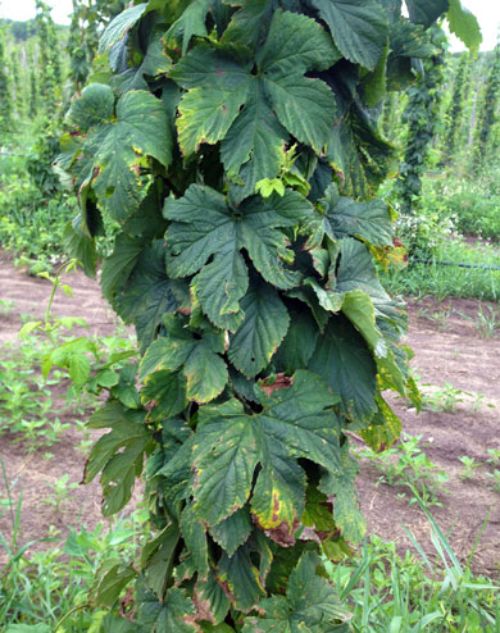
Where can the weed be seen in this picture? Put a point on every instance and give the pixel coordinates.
(6, 307)
(470, 465)
(493, 456)
(44, 587)
(60, 492)
(414, 593)
(407, 465)
(439, 317)
(82, 366)
(444, 399)
(495, 476)
(487, 322)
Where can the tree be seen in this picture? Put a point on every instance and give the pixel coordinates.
(5, 90)
(237, 148)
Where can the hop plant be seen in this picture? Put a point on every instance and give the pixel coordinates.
(236, 146)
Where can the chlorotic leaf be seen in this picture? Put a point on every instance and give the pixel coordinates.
(234, 151)
(117, 151)
(121, 25)
(118, 455)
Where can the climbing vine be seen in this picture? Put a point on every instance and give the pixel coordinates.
(5, 90)
(87, 21)
(455, 114)
(236, 145)
(421, 116)
(49, 61)
(486, 141)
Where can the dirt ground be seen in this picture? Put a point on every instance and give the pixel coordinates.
(449, 349)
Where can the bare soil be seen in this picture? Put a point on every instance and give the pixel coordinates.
(449, 349)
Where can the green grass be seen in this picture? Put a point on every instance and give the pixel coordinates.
(420, 279)
(42, 588)
(416, 592)
(386, 592)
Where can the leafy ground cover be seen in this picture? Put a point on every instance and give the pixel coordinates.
(472, 203)
(54, 539)
(32, 224)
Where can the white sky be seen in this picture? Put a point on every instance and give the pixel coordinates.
(487, 11)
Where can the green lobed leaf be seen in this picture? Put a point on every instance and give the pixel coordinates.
(154, 64)
(359, 309)
(295, 44)
(344, 361)
(148, 294)
(464, 25)
(94, 106)
(198, 359)
(173, 615)
(115, 152)
(296, 422)
(298, 345)
(118, 455)
(342, 485)
(120, 26)
(217, 88)
(191, 23)
(195, 539)
(311, 604)
(204, 225)
(369, 221)
(426, 12)
(157, 559)
(256, 141)
(118, 266)
(305, 107)
(168, 393)
(359, 28)
(111, 583)
(241, 578)
(265, 325)
(356, 271)
(233, 532)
